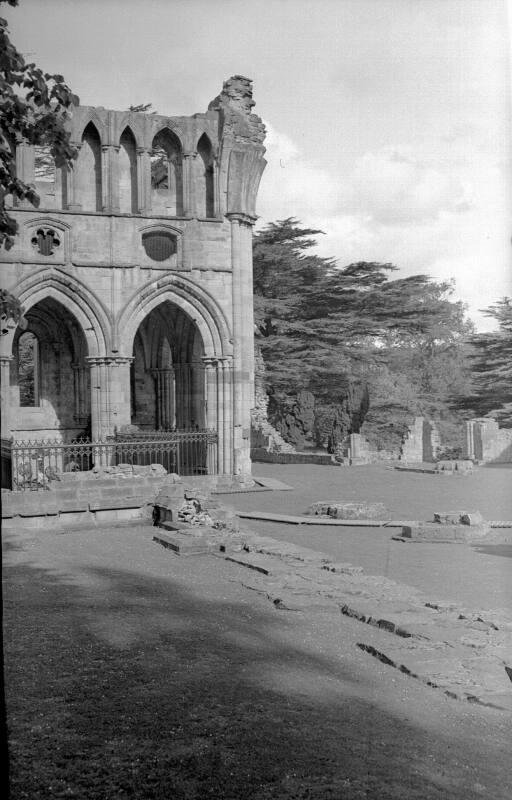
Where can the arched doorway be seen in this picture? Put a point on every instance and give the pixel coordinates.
(168, 385)
(50, 385)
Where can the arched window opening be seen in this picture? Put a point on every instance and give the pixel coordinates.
(166, 175)
(128, 174)
(89, 170)
(49, 180)
(28, 369)
(206, 200)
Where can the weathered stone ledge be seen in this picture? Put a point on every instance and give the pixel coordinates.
(465, 653)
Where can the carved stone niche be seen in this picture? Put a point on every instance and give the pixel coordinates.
(46, 241)
(161, 247)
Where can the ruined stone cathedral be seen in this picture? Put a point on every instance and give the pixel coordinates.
(135, 274)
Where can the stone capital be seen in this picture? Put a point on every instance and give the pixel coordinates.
(240, 217)
(108, 361)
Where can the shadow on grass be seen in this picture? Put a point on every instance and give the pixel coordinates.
(137, 688)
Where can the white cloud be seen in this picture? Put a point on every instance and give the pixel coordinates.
(395, 188)
(291, 185)
(447, 215)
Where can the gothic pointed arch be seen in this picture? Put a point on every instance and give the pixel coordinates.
(88, 169)
(166, 173)
(85, 306)
(205, 180)
(193, 300)
(127, 171)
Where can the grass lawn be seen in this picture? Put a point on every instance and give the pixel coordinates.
(133, 673)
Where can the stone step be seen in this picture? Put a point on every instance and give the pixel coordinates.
(183, 545)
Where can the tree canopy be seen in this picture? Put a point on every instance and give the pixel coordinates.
(324, 328)
(490, 364)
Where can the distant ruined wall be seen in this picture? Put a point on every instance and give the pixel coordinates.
(485, 442)
(421, 443)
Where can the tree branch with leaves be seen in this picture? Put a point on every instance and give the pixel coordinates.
(34, 108)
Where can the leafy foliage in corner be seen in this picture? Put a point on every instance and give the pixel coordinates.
(34, 107)
(328, 329)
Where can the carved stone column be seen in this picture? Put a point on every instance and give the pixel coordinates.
(110, 394)
(211, 389)
(243, 339)
(5, 394)
(80, 387)
(225, 425)
(164, 390)
(143, 181)
(216, 190)
(189, 195)
(197, 395)
(109, 178)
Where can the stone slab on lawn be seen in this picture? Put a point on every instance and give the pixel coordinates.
(340, 510)
(183, 545)
(434, 532)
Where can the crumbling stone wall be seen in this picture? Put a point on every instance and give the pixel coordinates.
(421, 442)
(485, 442)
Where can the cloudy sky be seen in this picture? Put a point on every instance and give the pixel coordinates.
(389, 121)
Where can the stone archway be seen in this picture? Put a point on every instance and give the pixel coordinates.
(49, 377)
(167, 384)
(191, 343)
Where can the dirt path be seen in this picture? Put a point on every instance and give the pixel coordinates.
(133, 673)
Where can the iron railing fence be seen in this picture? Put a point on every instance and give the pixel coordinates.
(33, 465)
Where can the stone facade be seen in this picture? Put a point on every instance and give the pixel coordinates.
(135, 274)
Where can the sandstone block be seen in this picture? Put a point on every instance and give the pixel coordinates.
(37, 504)
(182, 545)
(122, 501)
(434, 532)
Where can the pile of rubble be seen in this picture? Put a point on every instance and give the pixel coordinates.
(340, 510)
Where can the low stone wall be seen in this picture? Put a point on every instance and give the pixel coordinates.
(259, 454)
(102, 496)
(337, 509)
